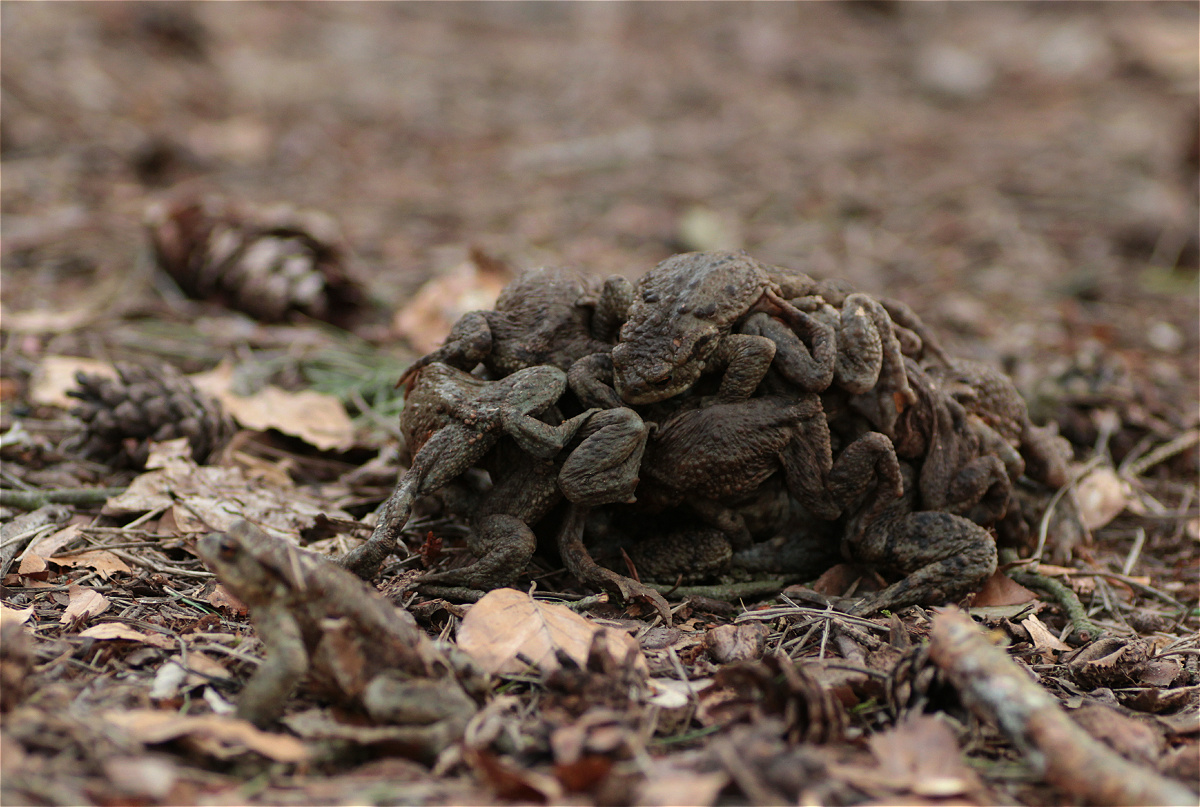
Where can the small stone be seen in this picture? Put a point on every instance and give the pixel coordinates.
(953, 72)
(1165, 337)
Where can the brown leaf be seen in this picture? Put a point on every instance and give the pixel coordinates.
(85, 603)
(20, 616)
(56, 374)
(115, 630)
(669, 784)
(1044, 641)
(1100, 497)
(207, 498)
(473, 285)
(224, 601)
(508, 623)
(103, 562)
(222, 737)
(514, 783)
(1001, 590)
(743, 642)
(921, 756)
(1133, 739)
(316, 418)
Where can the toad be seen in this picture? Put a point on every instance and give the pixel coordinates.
(544, 316)
(451, 419)
(318, 619)
(454, 421)
(942, 556)
(682, 323)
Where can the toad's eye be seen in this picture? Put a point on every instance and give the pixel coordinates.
(227, 548)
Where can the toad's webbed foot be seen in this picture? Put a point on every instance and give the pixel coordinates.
(811, 370)
(579, 563)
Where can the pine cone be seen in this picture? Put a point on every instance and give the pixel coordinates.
(122, 415)
(269, 262)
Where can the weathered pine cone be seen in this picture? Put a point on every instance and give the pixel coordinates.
(122, 416)
(269, 262)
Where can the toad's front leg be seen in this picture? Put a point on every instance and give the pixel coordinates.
(445, 456)
(266, 694)
(468, 343)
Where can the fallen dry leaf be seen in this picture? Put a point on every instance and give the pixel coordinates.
(222, 737)
(115, 630)
(105, 563)
(1100, 497)
(56, 374)
(921, 756)
(668, 784)
(1043, 640)
(1000, 590)
(47, 546)
(205, 498)
(31, 563)
(508, 623)
(318, 419)
(13, 615)
(222, 599)
(84, 604)
(472, 285)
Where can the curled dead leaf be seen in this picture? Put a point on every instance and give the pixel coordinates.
(1100, 497)
(222, 737)
(115, 630)
(84, 604)
(507, 626)
(314, 417)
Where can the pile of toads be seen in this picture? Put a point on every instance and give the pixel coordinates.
(719, 414)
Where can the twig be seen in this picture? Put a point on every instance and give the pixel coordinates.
(997, 690)
(33, 499)
(1081, 625)
(730, 592)
(1044, 524)
(1134, 551)
(1134, 469)
(163, 568)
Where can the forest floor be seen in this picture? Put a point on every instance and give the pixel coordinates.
(1024, 176)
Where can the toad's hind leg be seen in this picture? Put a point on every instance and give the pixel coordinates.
(502, 545)
(444, 457)
(943, 557)
(603, 467)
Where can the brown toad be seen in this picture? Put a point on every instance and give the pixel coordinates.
(544, 316)
(681, 323)
(451, 419)
(316, 618)
(454, 421)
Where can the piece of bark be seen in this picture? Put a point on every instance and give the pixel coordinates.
(997, 690)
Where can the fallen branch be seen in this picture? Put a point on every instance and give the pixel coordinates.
(730, 592)
(33, 499)
(997, 690)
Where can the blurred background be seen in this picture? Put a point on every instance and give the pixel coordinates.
(1024, 175)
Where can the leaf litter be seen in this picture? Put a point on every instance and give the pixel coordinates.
(121, 657)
